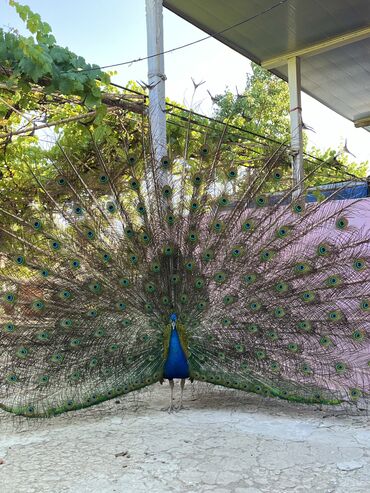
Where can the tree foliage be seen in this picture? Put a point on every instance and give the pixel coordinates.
(37, 58)
(263, 108)
(41, 81)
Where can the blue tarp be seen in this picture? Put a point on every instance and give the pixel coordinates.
(354, 191)
(346, 190)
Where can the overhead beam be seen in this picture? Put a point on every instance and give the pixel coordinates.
(319, 47)
(362, 122)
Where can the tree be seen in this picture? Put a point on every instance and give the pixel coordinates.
(38, 59)
(41, 81)
(263, 108)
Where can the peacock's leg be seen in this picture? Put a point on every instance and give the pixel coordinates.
(182, 385)
(171, 407)
(172, 384)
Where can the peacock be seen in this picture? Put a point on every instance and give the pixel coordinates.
(120, 270)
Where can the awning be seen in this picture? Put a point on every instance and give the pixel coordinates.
(331, 38)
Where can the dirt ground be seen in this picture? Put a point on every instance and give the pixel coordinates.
(224, 442)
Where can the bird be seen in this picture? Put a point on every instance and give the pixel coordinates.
(120, 269)
(346, 150)
(197, 84)
(307, 127)
(214, 99)
(176, 364)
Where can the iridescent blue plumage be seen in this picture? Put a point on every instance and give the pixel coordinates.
(176, 365)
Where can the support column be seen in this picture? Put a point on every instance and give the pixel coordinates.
(294, 79)
(156, 77)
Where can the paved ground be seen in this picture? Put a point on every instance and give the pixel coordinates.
(226, 442)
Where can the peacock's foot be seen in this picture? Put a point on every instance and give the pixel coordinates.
(169, 409)
(181, 407)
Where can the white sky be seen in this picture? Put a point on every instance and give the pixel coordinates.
(111, 31)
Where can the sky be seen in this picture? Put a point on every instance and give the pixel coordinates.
(112, 31)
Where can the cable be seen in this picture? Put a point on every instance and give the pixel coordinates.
(135, 60)
(241, 129)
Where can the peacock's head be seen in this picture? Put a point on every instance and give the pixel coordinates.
(173, 317)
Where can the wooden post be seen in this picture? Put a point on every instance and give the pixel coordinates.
(294, 79)
(156, 78)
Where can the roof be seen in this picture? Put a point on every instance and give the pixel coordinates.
(332, 38)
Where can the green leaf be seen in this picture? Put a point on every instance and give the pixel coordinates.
(91, 101)
(99, 133)
(100, 114)
(95, 91)
(21, 10)
(33, 23)
(104, 77)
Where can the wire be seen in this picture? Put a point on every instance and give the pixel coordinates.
(135, 60)
(241, 129)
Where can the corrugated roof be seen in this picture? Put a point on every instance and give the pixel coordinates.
(332, 37)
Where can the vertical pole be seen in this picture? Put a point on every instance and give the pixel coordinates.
(294, 79)
(156, 78)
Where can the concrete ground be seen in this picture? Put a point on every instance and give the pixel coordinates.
(226, 442)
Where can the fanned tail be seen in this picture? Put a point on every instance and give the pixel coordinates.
(272, 292)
